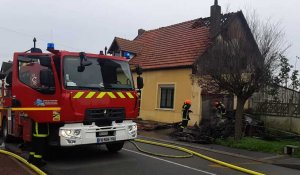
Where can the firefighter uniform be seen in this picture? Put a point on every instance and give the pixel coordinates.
(185, 114)
(40, 132)
(221, 110)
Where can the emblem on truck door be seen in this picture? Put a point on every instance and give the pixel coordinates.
(39, 102)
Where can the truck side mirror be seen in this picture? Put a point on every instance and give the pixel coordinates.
(46, 78)
(86, 63)
(83, 60)
(140, 82)
(80, 68)
(139, 70)
(45, 61)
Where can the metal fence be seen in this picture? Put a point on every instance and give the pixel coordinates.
(277, 109)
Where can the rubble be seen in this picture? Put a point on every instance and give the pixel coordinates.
(216, 127)
(209, 130)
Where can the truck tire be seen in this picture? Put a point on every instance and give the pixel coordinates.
(115, 147)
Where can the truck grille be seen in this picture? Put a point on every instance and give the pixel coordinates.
(105, 114)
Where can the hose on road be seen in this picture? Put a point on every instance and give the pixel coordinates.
(25, 162)
(188, 155)
(200, 155)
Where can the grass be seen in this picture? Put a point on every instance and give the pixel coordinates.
(254, 144)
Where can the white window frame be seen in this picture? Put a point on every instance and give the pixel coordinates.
(158, 100)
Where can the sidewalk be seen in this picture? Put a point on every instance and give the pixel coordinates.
(270, 158)
(11, 166)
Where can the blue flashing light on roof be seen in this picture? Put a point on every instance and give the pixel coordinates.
(50, 46)
(127, 55)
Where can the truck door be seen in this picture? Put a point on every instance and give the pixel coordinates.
(31, 90)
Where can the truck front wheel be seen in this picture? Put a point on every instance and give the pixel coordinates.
(115, 147)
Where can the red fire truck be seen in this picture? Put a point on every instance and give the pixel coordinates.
(84, 98)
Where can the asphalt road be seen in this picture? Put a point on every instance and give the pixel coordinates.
(95, 160)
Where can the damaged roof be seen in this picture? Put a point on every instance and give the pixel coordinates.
(177, 45)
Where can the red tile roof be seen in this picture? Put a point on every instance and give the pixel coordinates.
(172, 46)
(177, 45)
(127, 45)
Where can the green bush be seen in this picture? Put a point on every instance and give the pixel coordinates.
(255, 144)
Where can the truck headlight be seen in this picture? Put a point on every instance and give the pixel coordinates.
(131, 128)
(77, 132)
(70, 133)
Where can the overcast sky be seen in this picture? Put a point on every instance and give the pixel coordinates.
(90, 25)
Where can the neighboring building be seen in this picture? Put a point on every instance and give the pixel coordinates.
(6, 66)
(167, 56)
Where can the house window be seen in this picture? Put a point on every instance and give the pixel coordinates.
(167, 96)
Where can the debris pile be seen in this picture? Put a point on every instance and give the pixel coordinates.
(216, 127)
(209, 130)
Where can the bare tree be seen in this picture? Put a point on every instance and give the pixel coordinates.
(241, 60)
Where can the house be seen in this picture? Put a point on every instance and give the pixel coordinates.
(167, 56)
(6, 67)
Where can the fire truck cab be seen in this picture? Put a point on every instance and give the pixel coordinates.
(84, 98)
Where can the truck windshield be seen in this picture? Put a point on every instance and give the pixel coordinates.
(101, 74)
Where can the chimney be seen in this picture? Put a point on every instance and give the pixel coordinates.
(215, 19)
(141, 31)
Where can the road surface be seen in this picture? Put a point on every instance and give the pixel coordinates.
(95, 160)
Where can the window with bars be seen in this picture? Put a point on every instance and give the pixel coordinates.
(167, 97)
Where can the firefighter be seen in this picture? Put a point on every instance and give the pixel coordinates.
(221, 110)
(185, 114)
(40, 132)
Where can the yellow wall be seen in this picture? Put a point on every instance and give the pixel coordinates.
(183, 90)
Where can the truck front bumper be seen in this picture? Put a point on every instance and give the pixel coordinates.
(80, 134)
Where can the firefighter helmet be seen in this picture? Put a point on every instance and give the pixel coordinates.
(188, 102)
(216, 103)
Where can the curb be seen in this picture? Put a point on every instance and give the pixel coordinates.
(293, 166)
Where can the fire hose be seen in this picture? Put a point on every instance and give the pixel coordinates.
(190, 152)
(25, 162)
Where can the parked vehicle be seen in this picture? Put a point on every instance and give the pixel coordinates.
(84, 98)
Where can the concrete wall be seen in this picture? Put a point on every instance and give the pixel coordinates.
(290, 124)
(183, 89)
